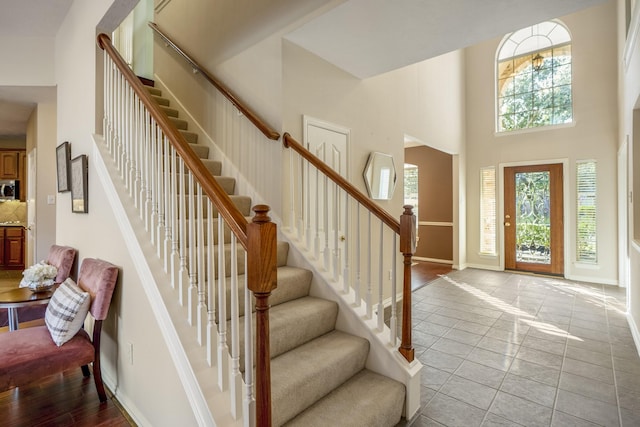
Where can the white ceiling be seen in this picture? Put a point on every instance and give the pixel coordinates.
(370, 37)
(363, 37)
(32, 18)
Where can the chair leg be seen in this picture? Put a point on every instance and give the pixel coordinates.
(85, 371)
(97, 378)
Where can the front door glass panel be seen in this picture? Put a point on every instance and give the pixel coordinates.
(533, 218)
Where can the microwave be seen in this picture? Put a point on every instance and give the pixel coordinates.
(9, 189)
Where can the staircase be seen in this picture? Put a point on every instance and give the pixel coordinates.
(318, 373)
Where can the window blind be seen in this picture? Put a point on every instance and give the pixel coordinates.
(488, 210)
(586, 244)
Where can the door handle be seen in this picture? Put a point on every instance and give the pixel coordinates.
(507, 224)
(342, 238)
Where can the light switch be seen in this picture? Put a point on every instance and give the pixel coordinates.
(51, 199)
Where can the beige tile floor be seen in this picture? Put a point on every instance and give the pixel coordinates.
(503, 349)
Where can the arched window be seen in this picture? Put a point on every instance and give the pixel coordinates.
(534, 78)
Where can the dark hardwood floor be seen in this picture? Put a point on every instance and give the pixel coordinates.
(423, 272)
(66, 399)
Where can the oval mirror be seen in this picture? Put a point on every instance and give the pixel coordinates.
(380, 176)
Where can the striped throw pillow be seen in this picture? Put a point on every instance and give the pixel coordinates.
(66, 311)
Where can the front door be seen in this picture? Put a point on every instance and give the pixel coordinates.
(533, 219)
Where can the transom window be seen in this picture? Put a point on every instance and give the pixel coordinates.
(534, 78)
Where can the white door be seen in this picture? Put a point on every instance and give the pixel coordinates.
(31, 207)
(325, 204)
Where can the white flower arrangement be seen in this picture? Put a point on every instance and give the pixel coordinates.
(38, 276)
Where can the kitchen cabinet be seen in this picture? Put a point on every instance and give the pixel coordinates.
(9, 164)
(12, 248)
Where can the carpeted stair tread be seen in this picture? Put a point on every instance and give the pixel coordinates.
(214, 166)
(201, 151)
(179, 123)
(293, 283)
(366, 399)
(153, 91)
(294, 323)
(192, 138)
(160, 100)
(171, 112)
(304, 375)
(282, 249)
(243, 203)
(227, 183)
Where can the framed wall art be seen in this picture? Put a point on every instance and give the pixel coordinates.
(63, 157)
(79, 188)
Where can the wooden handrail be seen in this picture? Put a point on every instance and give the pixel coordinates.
(383, 215)
(233, 217)
(246, 111)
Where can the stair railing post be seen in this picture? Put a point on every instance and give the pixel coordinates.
(262, 276)
(407, 247)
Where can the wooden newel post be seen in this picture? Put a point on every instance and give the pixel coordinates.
(407, 247)
(261, 279)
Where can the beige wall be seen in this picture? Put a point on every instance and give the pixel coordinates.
(593, 136)
(435, 196)
(41, 136)
(149, 388)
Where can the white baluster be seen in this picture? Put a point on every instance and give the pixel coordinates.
(168, 199)
(235, 376)
(307, 212)
(300, 208)
(381, 279)
(346, 274)
(160, 194)
(292, 202)
(316, 245)
(325, 206)
(184, 255)
(211, 294)
(223, 350)
(336, 237)
(369, 295)
(358, 300)
(393, 322)
(202, 249)
(175, 234)
(193, 273)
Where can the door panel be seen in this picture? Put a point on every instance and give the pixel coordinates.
(533, 219)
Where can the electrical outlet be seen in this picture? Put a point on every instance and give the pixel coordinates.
(130, 352)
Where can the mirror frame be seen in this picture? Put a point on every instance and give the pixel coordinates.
(374, 168)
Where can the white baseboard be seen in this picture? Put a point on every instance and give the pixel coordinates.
(484, 267)
(590, 279)
(436, 260)
(634, 332)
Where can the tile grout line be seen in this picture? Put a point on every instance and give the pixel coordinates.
(613, 363)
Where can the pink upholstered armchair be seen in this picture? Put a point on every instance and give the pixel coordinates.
(30, 354)
(62, 257)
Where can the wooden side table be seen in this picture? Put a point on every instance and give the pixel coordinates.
(21, 297)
